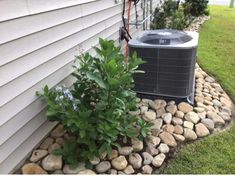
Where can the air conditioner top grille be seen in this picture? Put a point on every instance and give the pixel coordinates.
(165, 38)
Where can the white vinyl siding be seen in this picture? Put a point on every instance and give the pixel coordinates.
(38, 42)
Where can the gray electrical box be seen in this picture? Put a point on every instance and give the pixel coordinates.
(170, 57)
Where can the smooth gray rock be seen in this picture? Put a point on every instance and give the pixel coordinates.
(127, 150)
(147, 158)
(103, 167)
(208, 123)
(135, 160)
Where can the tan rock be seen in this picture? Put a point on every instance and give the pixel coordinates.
(58, 131)
(179, 137)
(189, 134)
(53, 147)
(46, 143)
(185, 107)
(201, 130)
(178, 129)
(168, 139)
(137, 145)
(113, 155)
(32, 168)
(171, 109)
(37, 155)
(216, 118)
(119, 163)
(168, 128)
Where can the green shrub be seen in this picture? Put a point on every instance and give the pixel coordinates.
(178, 20)
(169, 16)
(96, 109)
(195, 7)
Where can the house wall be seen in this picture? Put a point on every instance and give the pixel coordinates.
(38, 42)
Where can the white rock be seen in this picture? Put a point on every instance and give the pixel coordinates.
(158, 160)
(86, 172)
(209, 79)
(199, 109)
(167, 117)
(143, 109)
(149, 116)
(163, 148)
(95, 161)
(68, 170)
(188, 124)
(216, 103)
(192, 117)
(129, 170)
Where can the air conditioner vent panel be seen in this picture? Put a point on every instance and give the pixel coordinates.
(169, 67)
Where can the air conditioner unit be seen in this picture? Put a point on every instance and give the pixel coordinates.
(170, 57)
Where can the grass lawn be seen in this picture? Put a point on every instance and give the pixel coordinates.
(214, 154)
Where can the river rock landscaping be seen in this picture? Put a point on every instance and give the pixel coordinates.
(173, 125)
(176, 124)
